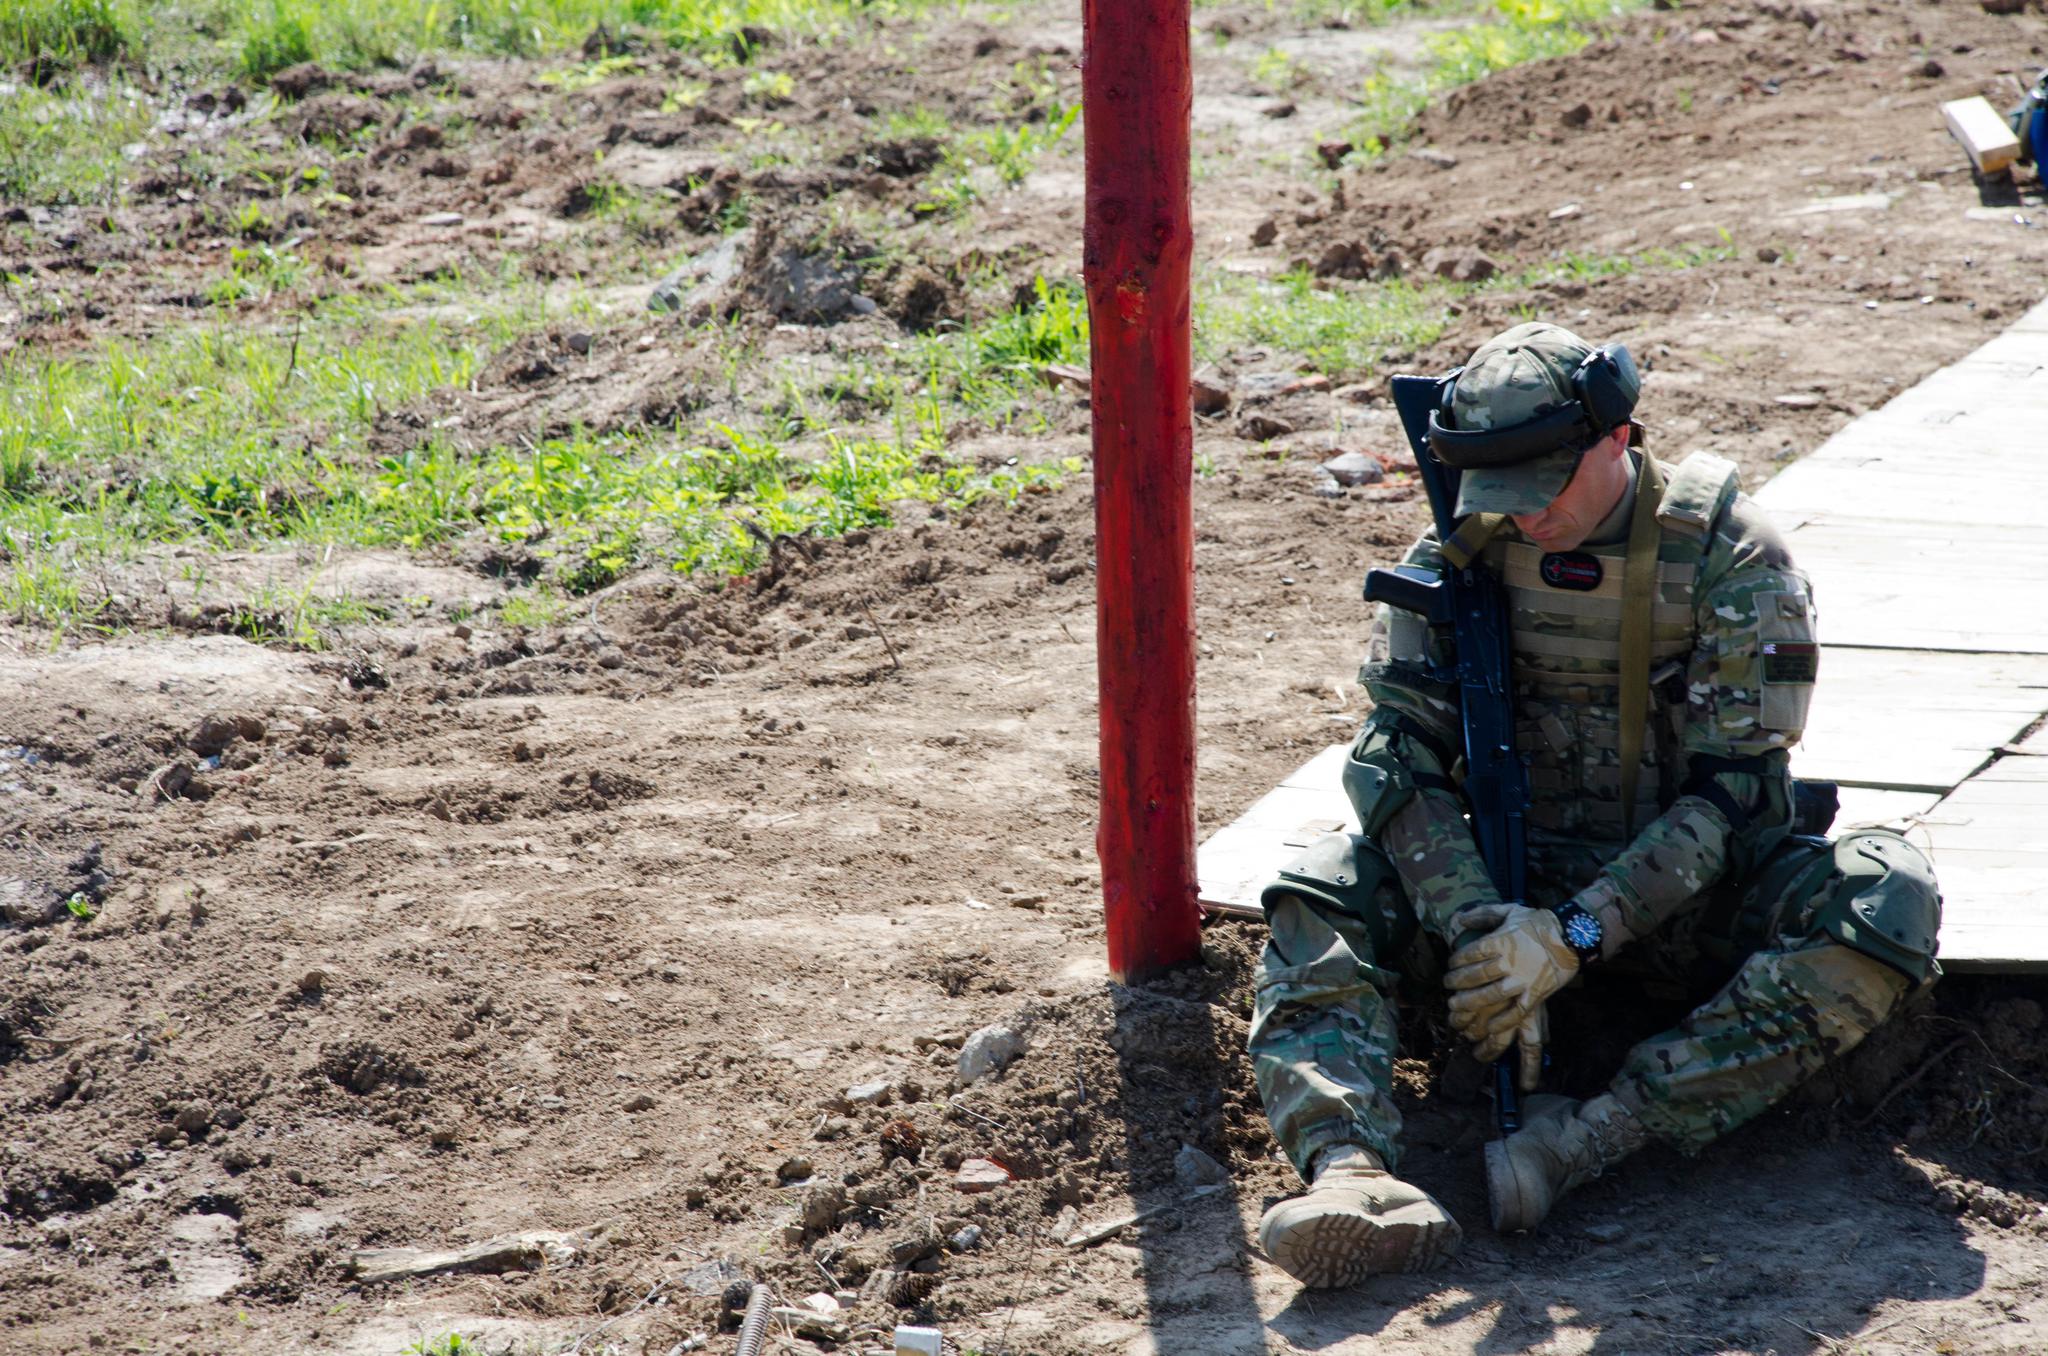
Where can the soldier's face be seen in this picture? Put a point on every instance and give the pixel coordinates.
(1588, 497)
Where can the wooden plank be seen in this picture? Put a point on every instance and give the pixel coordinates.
(1239, 859)
(1990, 144)
(1920, 721)
(1867, 807)
(1899, 586)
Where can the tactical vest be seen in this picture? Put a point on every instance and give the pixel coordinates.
(1566, 609)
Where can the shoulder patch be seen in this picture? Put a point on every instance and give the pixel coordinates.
(1697, 492)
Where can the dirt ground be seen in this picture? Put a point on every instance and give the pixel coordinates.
(615, 925)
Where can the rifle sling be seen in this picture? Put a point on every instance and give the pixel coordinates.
(1470, 538)
(1639, 590)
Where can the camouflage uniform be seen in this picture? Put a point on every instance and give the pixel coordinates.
(1712, 877)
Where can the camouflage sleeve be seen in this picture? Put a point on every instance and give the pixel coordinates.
(1748, 683)
(1416, 718)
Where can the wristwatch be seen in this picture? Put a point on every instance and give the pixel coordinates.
(1582, 931)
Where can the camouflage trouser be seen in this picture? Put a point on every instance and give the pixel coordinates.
(1323, 1035)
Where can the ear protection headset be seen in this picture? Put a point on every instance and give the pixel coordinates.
(1604, 388)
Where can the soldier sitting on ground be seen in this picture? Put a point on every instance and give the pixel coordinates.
(1677, 845)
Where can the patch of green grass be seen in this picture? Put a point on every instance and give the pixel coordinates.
(1340, 329)
(398, 31)
(1002, 154)
(65, 143)
(1053, 329)
(54, 35)
(772, 88)
(588, 73)
(447, 1344)
(595, 508)
(249, 439)
(275, 37)
(1521, 31)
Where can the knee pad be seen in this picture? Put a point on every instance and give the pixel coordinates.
(1347, 873)
(1881, 899)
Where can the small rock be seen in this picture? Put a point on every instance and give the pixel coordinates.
(834, 1127)
(977, 1175)
(967, 1240)
(1064, 374)
(1066, 1225)
(795, 1169)
(1266, 232)
(1798, 400)
(313, 981)
(1569, 210)
(438, 808)
(1578, 115)
(810, 1324)
(193, 1119)
(1260, 427)
(1284, 109)
(1769, 254)
(1459, 263)
(1355, 468)
(1932, 69)
(1344, 259)
(1332, 153)
(211, 735)
(1606, 1233)
(1192, 1168)
(640, 1101)
(1209, 396)
(712, 1278)
(988, 1050)
(1325, 486)
(877, 1093)
(821, 1206)
(579, 343)
(1434, 158)
(818, 1302)
(441, 219)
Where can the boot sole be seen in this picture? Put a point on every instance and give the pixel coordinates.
(1334, 1249)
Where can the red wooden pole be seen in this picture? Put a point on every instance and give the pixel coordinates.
(1136, 91)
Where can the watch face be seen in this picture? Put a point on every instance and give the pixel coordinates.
(1582, 930)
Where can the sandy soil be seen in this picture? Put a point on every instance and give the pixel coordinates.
(613, 925)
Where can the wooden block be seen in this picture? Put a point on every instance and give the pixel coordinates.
(1975, 123)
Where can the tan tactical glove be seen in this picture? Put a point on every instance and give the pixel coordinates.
(1500, 980)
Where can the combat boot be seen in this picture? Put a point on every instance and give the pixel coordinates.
(1358, 1220)
(1562, 1144)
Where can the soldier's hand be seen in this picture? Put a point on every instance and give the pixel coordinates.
(1529, 1037)
(1500, 980)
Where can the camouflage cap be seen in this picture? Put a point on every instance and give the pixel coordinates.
(1518, 375)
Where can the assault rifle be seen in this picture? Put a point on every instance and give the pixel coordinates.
(1473, 601)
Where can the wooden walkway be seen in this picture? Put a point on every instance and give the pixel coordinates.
(1922, 525)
